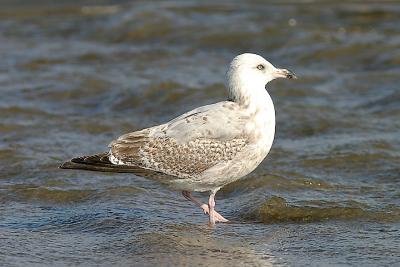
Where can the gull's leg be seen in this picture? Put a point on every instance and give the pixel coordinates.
(188, 196)
(214, 216)
(206, 210)
(211, 206)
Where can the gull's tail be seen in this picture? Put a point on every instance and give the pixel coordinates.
(99, 162)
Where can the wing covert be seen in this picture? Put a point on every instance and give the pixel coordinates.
(187, 145)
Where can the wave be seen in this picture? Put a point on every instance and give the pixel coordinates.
(276, 210)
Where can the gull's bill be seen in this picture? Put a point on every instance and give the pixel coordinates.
(284, 73)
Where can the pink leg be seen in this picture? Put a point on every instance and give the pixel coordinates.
(205, 207)
(188, 196)
(211, 206)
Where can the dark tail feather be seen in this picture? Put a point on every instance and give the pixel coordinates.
(90, 167)
(98, 162)
(101, 163)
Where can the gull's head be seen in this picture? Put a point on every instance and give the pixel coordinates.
(254, 70)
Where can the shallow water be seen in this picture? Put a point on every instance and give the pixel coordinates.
(76, 74)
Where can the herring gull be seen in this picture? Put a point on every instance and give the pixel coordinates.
(206, 148)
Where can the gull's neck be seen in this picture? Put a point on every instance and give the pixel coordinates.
(256, 101)
(251, 96)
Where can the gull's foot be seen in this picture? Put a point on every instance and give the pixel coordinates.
(206, 208)
(218, 217)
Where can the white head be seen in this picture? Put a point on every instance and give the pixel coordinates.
(248, 74)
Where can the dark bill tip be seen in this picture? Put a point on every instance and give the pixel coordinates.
(291, 75)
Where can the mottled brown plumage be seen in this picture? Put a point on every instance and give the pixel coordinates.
(165, 155)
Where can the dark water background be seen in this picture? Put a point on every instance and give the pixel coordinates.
(76, 74)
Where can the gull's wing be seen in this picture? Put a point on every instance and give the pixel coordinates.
(187, 145)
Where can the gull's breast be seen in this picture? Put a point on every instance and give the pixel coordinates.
(259, 131)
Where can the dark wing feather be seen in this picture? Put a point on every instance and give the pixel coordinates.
(100, 162)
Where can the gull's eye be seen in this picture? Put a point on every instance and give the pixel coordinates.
(260, 67)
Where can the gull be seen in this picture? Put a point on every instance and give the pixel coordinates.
(206, 148)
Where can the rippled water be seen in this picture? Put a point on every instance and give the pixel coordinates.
(76, 74)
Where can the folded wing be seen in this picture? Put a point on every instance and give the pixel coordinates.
(187, 145)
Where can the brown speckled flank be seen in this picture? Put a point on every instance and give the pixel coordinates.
(181, 160)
